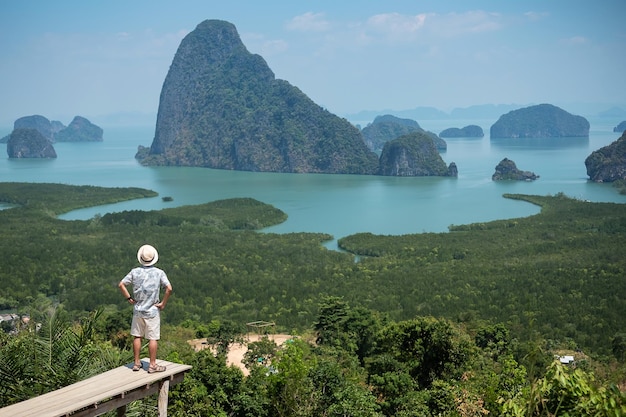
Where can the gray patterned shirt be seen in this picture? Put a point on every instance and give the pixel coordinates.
(147, 282)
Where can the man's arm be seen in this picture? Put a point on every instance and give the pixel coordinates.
(125, 292)
(168, 290)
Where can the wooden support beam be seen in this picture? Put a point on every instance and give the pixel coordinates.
(163, 393)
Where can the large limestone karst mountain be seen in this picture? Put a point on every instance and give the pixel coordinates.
(222, 107)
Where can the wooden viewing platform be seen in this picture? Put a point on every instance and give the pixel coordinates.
(102, 393)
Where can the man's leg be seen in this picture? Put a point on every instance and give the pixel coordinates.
(136, 330)
(153, 335)
(137, 349)
(152, 351)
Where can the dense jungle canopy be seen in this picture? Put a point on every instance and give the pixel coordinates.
(484, 300)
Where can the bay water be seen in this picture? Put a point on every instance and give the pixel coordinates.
(339, 205)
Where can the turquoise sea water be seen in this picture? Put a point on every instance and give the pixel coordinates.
(339, 204)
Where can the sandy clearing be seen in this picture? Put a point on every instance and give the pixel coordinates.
(236, 351)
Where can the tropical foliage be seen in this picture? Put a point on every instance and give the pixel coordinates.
(454, 324)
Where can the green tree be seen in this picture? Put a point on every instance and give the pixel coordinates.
(291, 391)
(223, 333)
(568, 392)
(618, 345)
(51, 353)
(494, 338)
(222, 383)
(332, 316)
(260, 353)
(428, 348)
(350, 329)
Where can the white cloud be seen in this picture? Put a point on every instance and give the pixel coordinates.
(273, 47)
(461, 24)
(396, 24)
(309, 22)
(575, 40)
(536, 15)
(407, 28)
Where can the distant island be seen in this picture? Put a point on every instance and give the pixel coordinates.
(79, 130)
(540, 121)
(507, 170)
(222, 107)
(621, 127)
(475, 112)
(470, 131)
(388, 127)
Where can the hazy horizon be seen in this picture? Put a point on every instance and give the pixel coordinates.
(97, 60)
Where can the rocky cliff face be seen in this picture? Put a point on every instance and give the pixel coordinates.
(29, 143)
(608, 164)
(507, 170)
(221, 107)
(541, 121)
(413, 155)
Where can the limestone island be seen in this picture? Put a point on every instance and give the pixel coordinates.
(469, 131)
(414, 155)
(79, 130)
(507, 170)
(621, 127)
(608, 164)
(540, 121)
(221, 107)
(29, 143)
(388, 127)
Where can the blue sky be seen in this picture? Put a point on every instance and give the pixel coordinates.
(94, 58)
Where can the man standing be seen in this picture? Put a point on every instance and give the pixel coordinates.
(147, 281)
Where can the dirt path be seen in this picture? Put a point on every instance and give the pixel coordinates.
(236, 351)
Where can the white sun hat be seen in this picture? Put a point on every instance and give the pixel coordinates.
(147, 255)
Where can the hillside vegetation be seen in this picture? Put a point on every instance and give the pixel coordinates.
(431, 322)
(559, 274)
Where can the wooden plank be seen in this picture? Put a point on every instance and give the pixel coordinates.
(122, 401)
(93, 391)
(118, 386)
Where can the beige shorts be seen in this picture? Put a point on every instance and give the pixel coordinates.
(147, 328)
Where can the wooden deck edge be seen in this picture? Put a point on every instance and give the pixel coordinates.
(101, 393)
